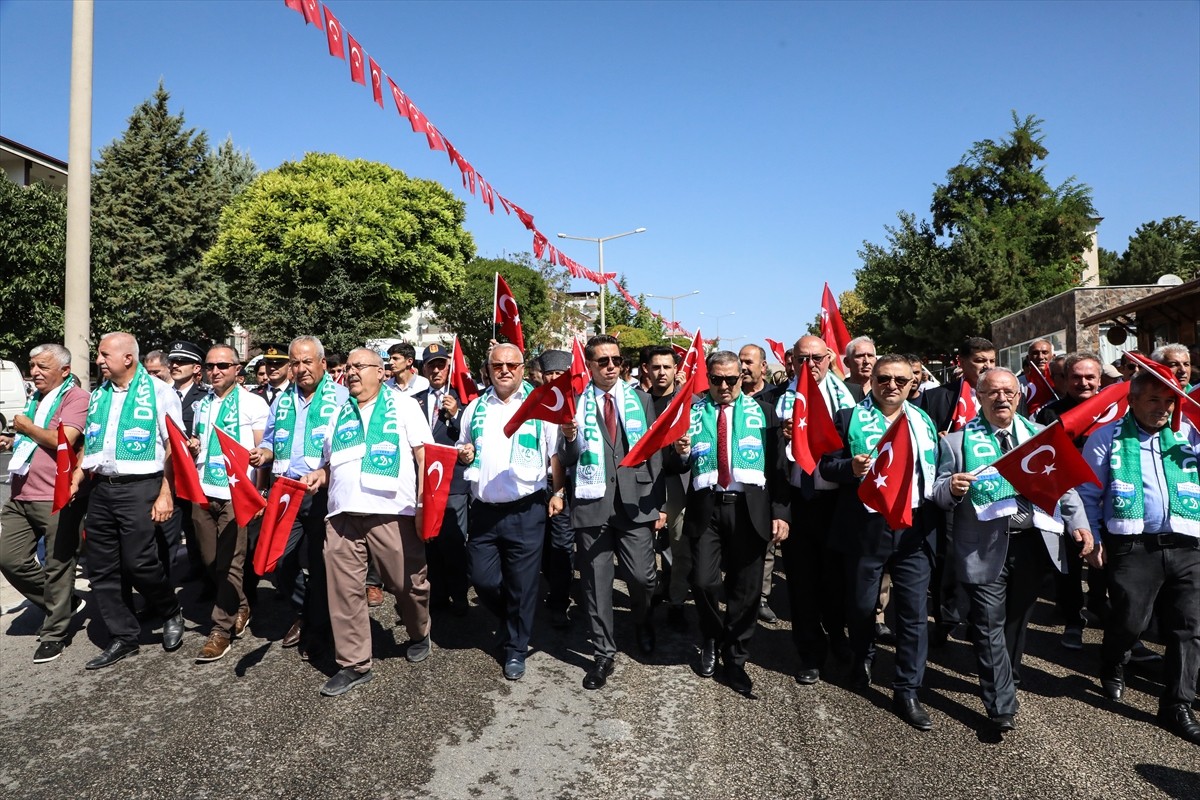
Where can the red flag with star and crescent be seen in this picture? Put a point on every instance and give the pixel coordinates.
(435, 491)
(283, 505)
(65, 463)
(777, 350)
(507, 315)
(552, 402)
(246, 500)
(1105, 406)
(887, 486)
(833, 330)
(460, 379)
(333, 32)
(813, 431)
(1039, 390)
(357, 72)
(187, 480)
(693, 366)
(579, 370)
(1045, 467)
(1186, 405)
(668, 428)
(966, 408)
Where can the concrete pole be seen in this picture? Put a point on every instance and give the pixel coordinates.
(77, 310)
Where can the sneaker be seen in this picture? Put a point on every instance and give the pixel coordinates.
(78, 604)
(418, 650)
(47, 651)
(215, 648)
(1072, 637)
(1140, 654)
(345, 680)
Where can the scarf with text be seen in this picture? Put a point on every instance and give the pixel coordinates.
(748, 427)
(321, 410)
(41, 410)
(1125, 484)
(377, 447)
(590, 477)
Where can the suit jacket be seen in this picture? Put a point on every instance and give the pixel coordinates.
(856, 530)
(190, 398)
(980, 546)
(633, 495)
(445, 431)
(762, 504)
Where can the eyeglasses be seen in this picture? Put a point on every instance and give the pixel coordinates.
(884, 380)
(995, 393)
(221, 365)
(510, 366)
(814, 359)
(361, 367)
(726, 380)
(605, 361)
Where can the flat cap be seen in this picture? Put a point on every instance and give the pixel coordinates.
(555, 361)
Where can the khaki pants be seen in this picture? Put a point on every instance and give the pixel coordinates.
(50, 587)
(223, 551)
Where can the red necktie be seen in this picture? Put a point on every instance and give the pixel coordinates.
(723, 476)
(610, 416)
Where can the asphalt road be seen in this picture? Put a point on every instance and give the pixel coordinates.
(253, 725)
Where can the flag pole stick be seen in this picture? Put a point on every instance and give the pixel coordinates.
(495, 297)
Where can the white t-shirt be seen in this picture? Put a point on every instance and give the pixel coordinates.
(252, 416)
(417, 383)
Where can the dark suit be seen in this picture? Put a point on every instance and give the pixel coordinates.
(622, 521)
(447, 553)
(871, 547)
(179, 525)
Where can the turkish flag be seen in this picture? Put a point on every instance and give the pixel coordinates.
(553, 402)
(376, 81)
(65, 463)
(1045, 467)
(460, 379)
(357, 73)
(398, 96)
(1105, 406)
(693, 365)
(579, 371)
(887, 486)
(966, 408)
(415, 117)
(295, 5)
(245, 498)
(813, 432)
(507, 315)
(1167, 378)
(777, 350)
(333, 32)
(435, 491)
(312, 12)
(434, 137)
(283, 505)
(669, 428)
(1038, 388)
(833, 330)
(1191, 407)
(187, 480)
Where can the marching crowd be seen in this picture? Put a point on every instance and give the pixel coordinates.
(706, 513)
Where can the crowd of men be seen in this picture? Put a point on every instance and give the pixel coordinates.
(705, 515)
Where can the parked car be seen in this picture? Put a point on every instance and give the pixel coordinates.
(12, 393)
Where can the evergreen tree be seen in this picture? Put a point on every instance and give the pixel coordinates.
(33, 240)
(1171, 246)
(233, 171)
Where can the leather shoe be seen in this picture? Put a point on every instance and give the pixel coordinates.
(514, 669)
(645, 638)
(860, 674)
(884, 634)
(241, 621)
(766, 614)
(1180, 720)
(808, 676)
(115, 651)
(708, 658)
(1004, 723)
(374, 597)
(173, 632)
(738, 680)
(911, 711)
(1112, 680)
(598, 675)
(292, 637)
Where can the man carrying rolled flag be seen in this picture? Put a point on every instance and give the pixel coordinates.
(833, 330)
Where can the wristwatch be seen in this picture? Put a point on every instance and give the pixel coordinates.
(560, 494)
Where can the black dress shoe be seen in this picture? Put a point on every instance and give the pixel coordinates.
(738, 680)
(173, 632)
(115, 651)
(911, 711)
(708, 658)
(1004, 723)
(598, 675)
(645, 638)
(808, 676)
(1180, 720)
(884, 634)
(860, 674)
(1112, 680)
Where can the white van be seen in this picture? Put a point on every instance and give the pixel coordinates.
(12, 393)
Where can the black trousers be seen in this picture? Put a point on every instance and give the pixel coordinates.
(816, 581)
(1139, 572)
(728, 542)
(558, 557)
(447, 553)
(121, 542)
(305, 550)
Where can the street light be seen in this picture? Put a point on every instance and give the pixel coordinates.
(600, 243)
(673, 298)
(717, 324)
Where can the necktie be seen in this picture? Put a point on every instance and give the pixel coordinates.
(1024, 510)
(610, 416)
(723, 476)
(435, 407)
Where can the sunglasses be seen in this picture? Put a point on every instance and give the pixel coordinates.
(221, 365)
(884, 380)
(179, 362)
(511, 366)
(605, 361)
(724, 380)
(814, 359)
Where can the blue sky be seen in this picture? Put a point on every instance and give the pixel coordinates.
(758, 143)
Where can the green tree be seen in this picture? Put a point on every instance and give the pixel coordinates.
(469, 311)
(565, 315)
(154, 213)
(340, 248)
(33, 236)
(233, 171)
(1171, 246)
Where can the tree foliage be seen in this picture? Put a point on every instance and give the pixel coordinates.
(33, 235)
(343, 249)
(469, 311)
(233, 171)
(621, 320)
(1001, 237)
(1171, 246)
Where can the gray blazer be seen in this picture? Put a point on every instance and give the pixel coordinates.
(980, 547)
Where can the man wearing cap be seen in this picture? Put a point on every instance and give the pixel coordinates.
(447, 553)
(278, 373)
(558, 550)
(185, 359)
(401, 357)
(126, 458)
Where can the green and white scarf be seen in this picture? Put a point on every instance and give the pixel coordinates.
(41, 410)
(748, 429)
(213, 474)
(377, 447)
(526, 458)
(868, 425)
(1125, 482)
(322, 409)
(137, 426)
(590, 477)
(993, 496)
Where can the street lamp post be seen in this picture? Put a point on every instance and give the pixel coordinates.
(673, 298)
(717, 324)
(600, 244)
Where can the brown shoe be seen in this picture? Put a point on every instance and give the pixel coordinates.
(240, 622)
(216, 647)
(374, 597)
(292, 637)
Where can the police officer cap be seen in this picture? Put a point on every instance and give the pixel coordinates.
(275, 352)
(185, 351)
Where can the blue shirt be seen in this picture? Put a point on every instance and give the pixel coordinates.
(1097, 500)
(298, 467)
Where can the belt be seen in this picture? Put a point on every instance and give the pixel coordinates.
(519, 503)
(1018, 531)
(117, 480)
(1168, 540)
(728, 497)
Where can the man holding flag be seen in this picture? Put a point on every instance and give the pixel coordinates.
(870, 468)
(29, 513)
(242, 415)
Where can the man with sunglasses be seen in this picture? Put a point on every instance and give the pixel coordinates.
(508, 480)
(242, 415)
(613, 508)
(737, 505)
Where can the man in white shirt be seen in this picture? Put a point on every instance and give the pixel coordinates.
(401, 357)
